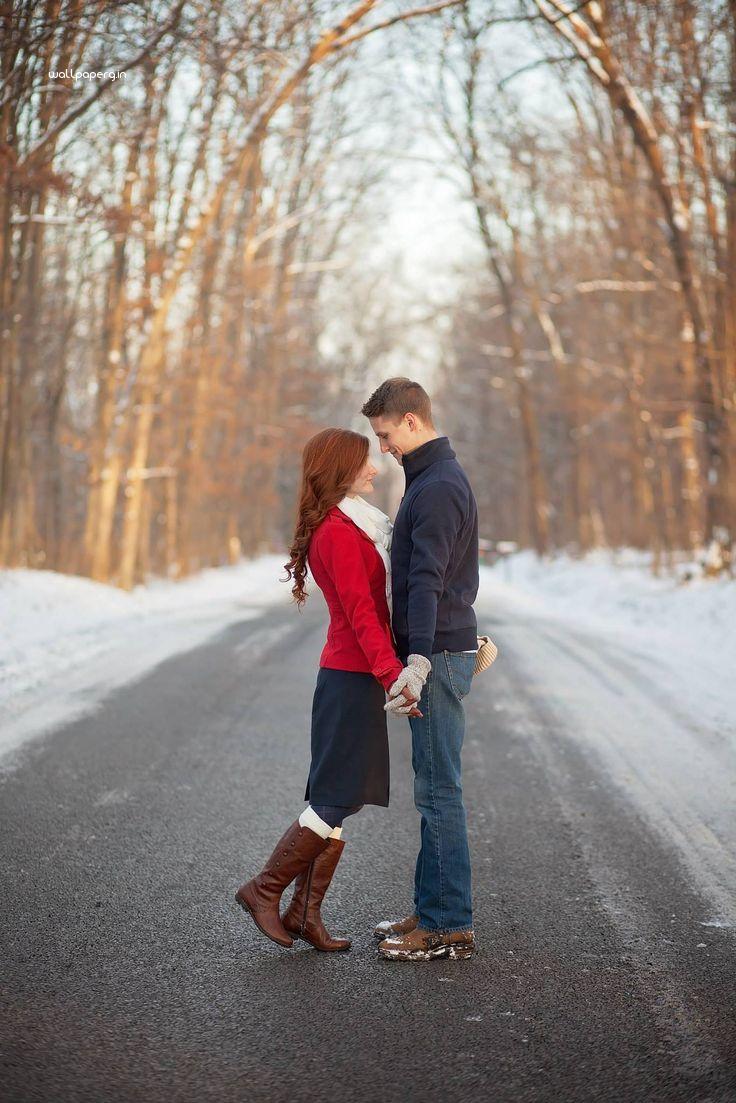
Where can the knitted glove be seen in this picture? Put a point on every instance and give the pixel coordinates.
(412, 677)
(399, 706)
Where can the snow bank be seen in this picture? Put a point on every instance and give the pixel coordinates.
(67, 641)
(687, 627)
(57, 619)
(64, 634)
(617, 592)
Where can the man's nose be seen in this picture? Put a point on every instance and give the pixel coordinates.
(384, 446)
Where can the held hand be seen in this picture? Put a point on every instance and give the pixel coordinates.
(412, 701)
(403, 704)
(412, 677)
(415, 712)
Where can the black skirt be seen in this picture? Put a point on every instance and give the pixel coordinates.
(349, 740)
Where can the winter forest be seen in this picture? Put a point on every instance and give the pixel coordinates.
(262, 209)
(223, 225)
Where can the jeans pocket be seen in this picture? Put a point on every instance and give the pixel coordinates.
(460, 665)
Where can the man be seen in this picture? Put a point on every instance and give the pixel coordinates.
(434, 567)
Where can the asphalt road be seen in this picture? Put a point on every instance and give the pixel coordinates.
(605, 968)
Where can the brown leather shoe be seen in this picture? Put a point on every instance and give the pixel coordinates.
(391, 927)
(421, 945)
(302, 918)
(261, 896)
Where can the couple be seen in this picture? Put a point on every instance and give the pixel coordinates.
(426, 566)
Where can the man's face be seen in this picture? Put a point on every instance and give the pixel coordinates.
(397, 437)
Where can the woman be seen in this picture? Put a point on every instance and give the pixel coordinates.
(345, 542)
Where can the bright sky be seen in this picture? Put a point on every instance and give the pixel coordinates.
(426, 220)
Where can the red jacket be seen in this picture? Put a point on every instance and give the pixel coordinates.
(349, 571)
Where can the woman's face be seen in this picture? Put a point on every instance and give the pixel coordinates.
(363, 483)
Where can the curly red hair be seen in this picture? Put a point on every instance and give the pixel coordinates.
(331, 461)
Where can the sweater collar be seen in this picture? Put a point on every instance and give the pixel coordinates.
(425, 455)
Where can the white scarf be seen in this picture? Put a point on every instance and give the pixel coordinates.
(377, 527)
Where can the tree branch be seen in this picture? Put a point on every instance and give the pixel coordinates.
(74, 113)
(429, 9)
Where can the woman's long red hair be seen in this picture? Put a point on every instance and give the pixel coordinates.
(331, 462)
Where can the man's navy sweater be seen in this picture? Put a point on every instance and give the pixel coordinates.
(434, 555)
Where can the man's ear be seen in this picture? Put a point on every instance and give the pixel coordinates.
(411, 421)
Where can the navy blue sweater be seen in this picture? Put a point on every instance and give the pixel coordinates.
(434, 555)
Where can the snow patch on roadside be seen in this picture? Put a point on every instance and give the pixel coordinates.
(67, 641)
(685, 630)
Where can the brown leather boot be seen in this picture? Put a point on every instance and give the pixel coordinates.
(302, 918)
(261, 896)
(389, 928)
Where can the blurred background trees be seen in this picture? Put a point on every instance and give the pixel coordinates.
(201, 264)
(610, 236)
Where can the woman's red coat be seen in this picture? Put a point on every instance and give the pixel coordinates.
(350, 573)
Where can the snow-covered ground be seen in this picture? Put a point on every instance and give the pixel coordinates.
(687, 629)
(638, 675)
(68, 641)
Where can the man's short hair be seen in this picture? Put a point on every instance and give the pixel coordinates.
(398, 396)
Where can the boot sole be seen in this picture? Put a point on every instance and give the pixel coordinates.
(452, 953)
(285, 945)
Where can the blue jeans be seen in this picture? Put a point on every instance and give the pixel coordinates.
(442, 895)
